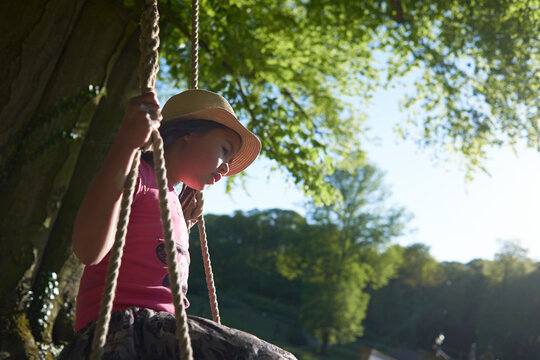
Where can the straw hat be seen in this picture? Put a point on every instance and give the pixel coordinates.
(207, 105)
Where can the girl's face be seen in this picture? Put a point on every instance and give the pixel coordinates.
(201, 159)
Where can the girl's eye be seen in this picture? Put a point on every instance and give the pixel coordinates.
(225, 150)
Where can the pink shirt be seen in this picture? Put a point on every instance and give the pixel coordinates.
(143, 280)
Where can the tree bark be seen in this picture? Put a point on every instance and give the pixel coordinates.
(68, 67)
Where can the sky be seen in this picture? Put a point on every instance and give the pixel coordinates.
(459, 220)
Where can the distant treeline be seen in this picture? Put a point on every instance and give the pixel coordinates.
(388, 297)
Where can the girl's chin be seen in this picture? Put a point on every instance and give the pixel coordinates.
(196, 186)
(199, 187)
(200, 184)
(207, 184)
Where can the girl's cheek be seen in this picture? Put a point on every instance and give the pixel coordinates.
(217, 157)
(210, 161)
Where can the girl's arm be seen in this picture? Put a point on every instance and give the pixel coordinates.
(95, 224)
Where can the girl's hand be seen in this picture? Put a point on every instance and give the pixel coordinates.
(194, 209)
(142, 116)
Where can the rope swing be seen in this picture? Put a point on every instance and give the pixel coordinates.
(148, 69)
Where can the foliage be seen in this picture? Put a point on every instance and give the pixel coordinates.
(396, 309)
(284, 73)
(359, 212)
(247, 245)
(511, 262)
(479, 65)
(468, 303)
(301, 73)
(340, 318)
(419, 268)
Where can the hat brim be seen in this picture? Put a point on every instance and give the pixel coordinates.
(250, 146)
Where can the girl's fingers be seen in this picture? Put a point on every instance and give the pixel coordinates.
(147, 103)
(195, 207)
(149, 97)
(148, 107)
(154, 124)
(152, 110)
(141, 118)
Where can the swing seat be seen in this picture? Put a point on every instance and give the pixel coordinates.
(210, 340)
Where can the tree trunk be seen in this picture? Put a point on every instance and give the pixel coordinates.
(324, 344)
(68, 67)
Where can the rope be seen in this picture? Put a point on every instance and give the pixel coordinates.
(182, 330)
(194, 44)
(148, 68)
(208, 271)
(149, 46)
(202, 231)
(117, 250)
(186, 199)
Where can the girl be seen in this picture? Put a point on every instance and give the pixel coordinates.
(203, 141)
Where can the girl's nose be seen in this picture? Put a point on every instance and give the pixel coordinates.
(224, 168)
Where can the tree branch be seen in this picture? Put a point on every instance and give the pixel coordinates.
(397, 14)
(245, 101)
(288, 94)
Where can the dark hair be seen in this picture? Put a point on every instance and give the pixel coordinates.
(174, 129)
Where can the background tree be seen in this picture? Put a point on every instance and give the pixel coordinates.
(244, 248)
(512, 295)
(342, 254)
(468, 303)
(511, 262)
(396, 310)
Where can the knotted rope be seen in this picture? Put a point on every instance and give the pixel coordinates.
(102, 325)
(148, 68)
(194, 44)
(149, 47)
(208, 271)
(202, 230)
